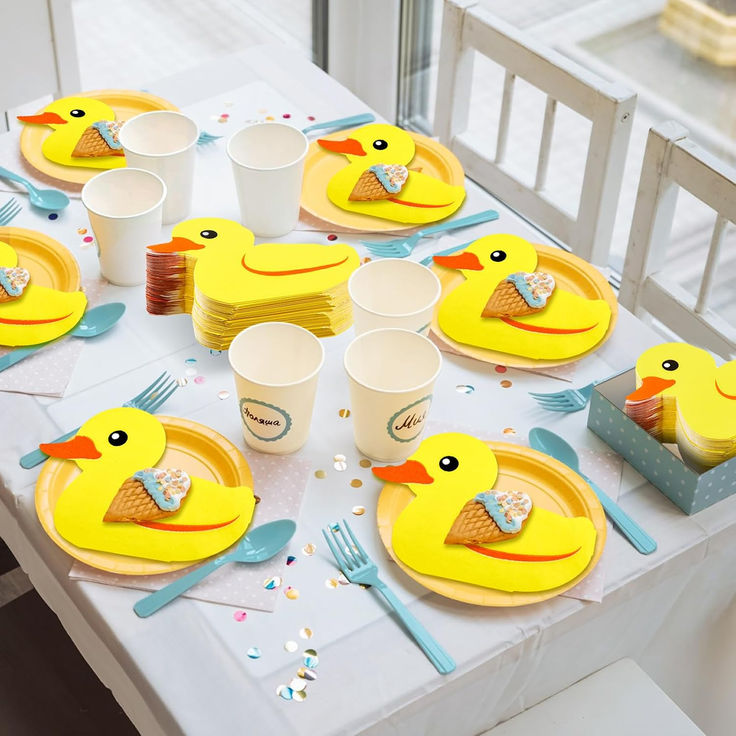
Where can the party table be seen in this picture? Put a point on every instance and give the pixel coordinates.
(186, 669)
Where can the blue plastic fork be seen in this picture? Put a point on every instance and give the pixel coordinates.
(205, 138)
(402, 247)
(567, 401)
(340, 123)
(357, 567)
(150, 399)
(8, 211)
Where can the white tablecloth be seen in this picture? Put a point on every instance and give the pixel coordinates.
(186, 670)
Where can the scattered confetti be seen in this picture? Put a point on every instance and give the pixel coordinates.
(291, 646)
(311, 659)
(506, 383)
(500, 369)
(464, 388)
(215, 352)
(272, 583)
(291, 593)
(190, 361)
(286, 115)
(191, 371)
(359, 510)
(365, 463)
(88, 239)
(199, 380)
(299, 695)
(225, 115)
(82, 230)
(344, 413)
(284, 692)
(320, 474)
(223, 118)
(340, 462)
(365, 259)
(356, 482)
(298, 684)
(53, 216)
(342, 580)
(332, 236)
(306, 633)
(509, 430)
(270, 117)
(309, 549)
(181, 381)
(254, 653)
(222, 395)
(331, 583)
(307, 674)
(240, 615)
(291, 560)
(311, 117)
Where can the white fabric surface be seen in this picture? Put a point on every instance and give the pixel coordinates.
(185, 670)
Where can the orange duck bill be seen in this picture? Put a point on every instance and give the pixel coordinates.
(79, 447)
(348, 146)
(460, 261)
(650, 386)
(409, 472)
(43, 118)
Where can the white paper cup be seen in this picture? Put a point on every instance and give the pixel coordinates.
(393, 292)
(268, 164)
(124, 208)
(164, 142)
(276, 366)
(391, 374)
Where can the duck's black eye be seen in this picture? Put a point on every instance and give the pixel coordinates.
(670, 365)
(380, 144)
(449, 463)
(117, 438)
(77, 113)
(498, 256)
(209, 234)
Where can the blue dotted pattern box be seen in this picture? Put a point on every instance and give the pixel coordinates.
(690, 490)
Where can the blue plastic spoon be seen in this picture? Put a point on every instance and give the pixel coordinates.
(257, 545)
(45, 199)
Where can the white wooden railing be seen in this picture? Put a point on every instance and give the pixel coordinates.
(672, 161)
(468, 28)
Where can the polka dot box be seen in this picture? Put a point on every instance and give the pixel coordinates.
(690, 490)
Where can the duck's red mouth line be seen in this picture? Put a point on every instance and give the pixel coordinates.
(292, 272)
(33, 321)
(517, 557)
(545, 330)
(723, 393)
(416, 204)
(183, 527)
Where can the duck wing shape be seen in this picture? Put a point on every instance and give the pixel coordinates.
(491, 516)
(99, 139)
(148, 495)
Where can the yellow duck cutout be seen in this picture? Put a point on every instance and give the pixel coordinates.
(704, 397)
(552, 324)
(122, 503)
(377, 182)
(452, 475)
(37, 314)
(84, 133)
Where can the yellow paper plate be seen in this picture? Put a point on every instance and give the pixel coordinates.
(199, 450)
(126, 104)
(321, 165)
(48, 261)
(571, 273)
(551, 485)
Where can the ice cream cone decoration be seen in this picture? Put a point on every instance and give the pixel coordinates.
(491, 516)
(13, 282)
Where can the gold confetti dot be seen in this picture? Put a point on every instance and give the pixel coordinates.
(509, 430)
(344, 413)
(331, 583)
(320, 473)
(298, 696)
(182, 381)
(306, 633)
(309, 549)
(270, 117)
(272, 582)
(356, 483)
(506, 383)
(291, 593)
(82, 230)
(307, 674)
(365, 463)
(291, 646)
(359, 510)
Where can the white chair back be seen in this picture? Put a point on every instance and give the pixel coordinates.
(38, 53)
(468, 28)
(672, 161)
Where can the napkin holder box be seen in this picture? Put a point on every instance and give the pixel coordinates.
(661, 466)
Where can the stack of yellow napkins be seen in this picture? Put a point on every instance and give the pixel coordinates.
(683, 397)
(212, 269)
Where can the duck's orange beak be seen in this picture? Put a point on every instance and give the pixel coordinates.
(74, 449)
(650, 386)
(349, 146)
(461, 261)
(175, 245)
(43, 118)
(411, 471)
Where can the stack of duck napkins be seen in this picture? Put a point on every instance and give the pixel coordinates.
(212, 269)
(683, 397)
